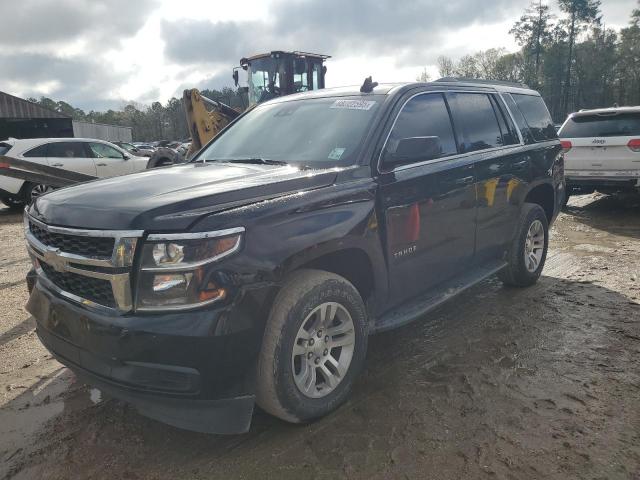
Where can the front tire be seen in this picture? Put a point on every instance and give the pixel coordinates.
(314, 346)
(528, 250)
(14, 203)
(34, 190)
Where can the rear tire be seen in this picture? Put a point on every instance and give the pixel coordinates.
(302, 373)
(528, 250)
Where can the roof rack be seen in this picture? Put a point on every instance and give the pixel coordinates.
(484, 82)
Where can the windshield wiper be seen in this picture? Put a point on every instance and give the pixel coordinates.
(258, 161)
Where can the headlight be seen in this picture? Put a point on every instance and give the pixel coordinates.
(172, 272)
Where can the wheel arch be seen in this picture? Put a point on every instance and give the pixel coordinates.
(543, 194)
(350, 260)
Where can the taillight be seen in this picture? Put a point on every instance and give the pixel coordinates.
(634, 144)
(566, 145)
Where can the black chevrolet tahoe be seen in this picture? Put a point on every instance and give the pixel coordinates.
(256, 272)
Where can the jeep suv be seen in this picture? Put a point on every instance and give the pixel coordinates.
(602, 150)
(256, 272)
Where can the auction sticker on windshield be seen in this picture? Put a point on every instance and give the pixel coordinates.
(354, 104)
(336, 153)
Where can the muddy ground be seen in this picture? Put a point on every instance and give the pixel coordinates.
(501, 383)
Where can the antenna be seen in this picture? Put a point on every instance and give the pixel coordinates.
(368, 85)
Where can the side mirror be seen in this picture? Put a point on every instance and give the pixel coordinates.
(412, 149)
(126, 157)
(235, 77)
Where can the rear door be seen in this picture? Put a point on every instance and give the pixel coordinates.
(428, 205)
(71, 156)
(487, 134)
(110, 162)
(602, 145)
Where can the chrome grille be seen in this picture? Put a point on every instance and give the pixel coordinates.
(88, 266)
(101, 247)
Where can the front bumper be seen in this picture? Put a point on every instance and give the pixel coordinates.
(193, 370)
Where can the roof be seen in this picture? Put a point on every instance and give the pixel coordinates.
(476, 81)
(14, 107)
(605, 111)
(392, 88)
(283, 52)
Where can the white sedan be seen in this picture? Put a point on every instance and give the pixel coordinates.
(83, 155)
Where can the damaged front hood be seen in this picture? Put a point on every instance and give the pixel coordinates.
(172, 198)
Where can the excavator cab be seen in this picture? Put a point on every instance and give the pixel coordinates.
(278, 73)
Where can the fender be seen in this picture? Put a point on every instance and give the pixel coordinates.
(289, 232)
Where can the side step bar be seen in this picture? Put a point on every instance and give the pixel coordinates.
(417, 307)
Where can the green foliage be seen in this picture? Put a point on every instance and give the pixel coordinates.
(148, 122)
(574, 62)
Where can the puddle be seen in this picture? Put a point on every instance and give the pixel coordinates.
(25, 415)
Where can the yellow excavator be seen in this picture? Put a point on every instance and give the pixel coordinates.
(269, 75)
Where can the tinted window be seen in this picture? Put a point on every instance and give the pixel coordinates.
(537, 116)
(476, 122)
(519, 118)
(40, 151)
(4, 148)
(100, 150)
(424, 116)
(66, 149)
(621, 125)
(509, 135)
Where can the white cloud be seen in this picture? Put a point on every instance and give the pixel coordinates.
(97, 53)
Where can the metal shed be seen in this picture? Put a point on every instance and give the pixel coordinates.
(110, 133)
(20, 118)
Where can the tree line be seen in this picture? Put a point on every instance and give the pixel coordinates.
(573, 60)
(148, 122)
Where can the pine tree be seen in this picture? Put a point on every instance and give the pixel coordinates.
(581, 13)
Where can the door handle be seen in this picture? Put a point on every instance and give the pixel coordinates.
(464, 181)
(58, 165)
(101, 164)
(520, 165)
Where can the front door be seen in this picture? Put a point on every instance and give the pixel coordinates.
(110, 162)
(429, 204)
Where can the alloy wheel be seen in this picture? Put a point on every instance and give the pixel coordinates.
(323, 350)
(39, 190)
(534, 246)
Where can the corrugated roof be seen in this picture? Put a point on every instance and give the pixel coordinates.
(14, 107)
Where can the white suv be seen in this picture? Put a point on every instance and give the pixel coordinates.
(602, 150)
(84, 155)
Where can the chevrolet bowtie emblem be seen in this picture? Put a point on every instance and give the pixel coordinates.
(52, 257)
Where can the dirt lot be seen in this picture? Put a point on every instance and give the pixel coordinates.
(502, 383)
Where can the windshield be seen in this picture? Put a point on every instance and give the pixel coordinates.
(264, 80)
(315, 132)
(617, 125)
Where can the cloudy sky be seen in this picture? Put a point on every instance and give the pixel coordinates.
(97, 54)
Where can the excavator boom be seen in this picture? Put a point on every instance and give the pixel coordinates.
(204, 123)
